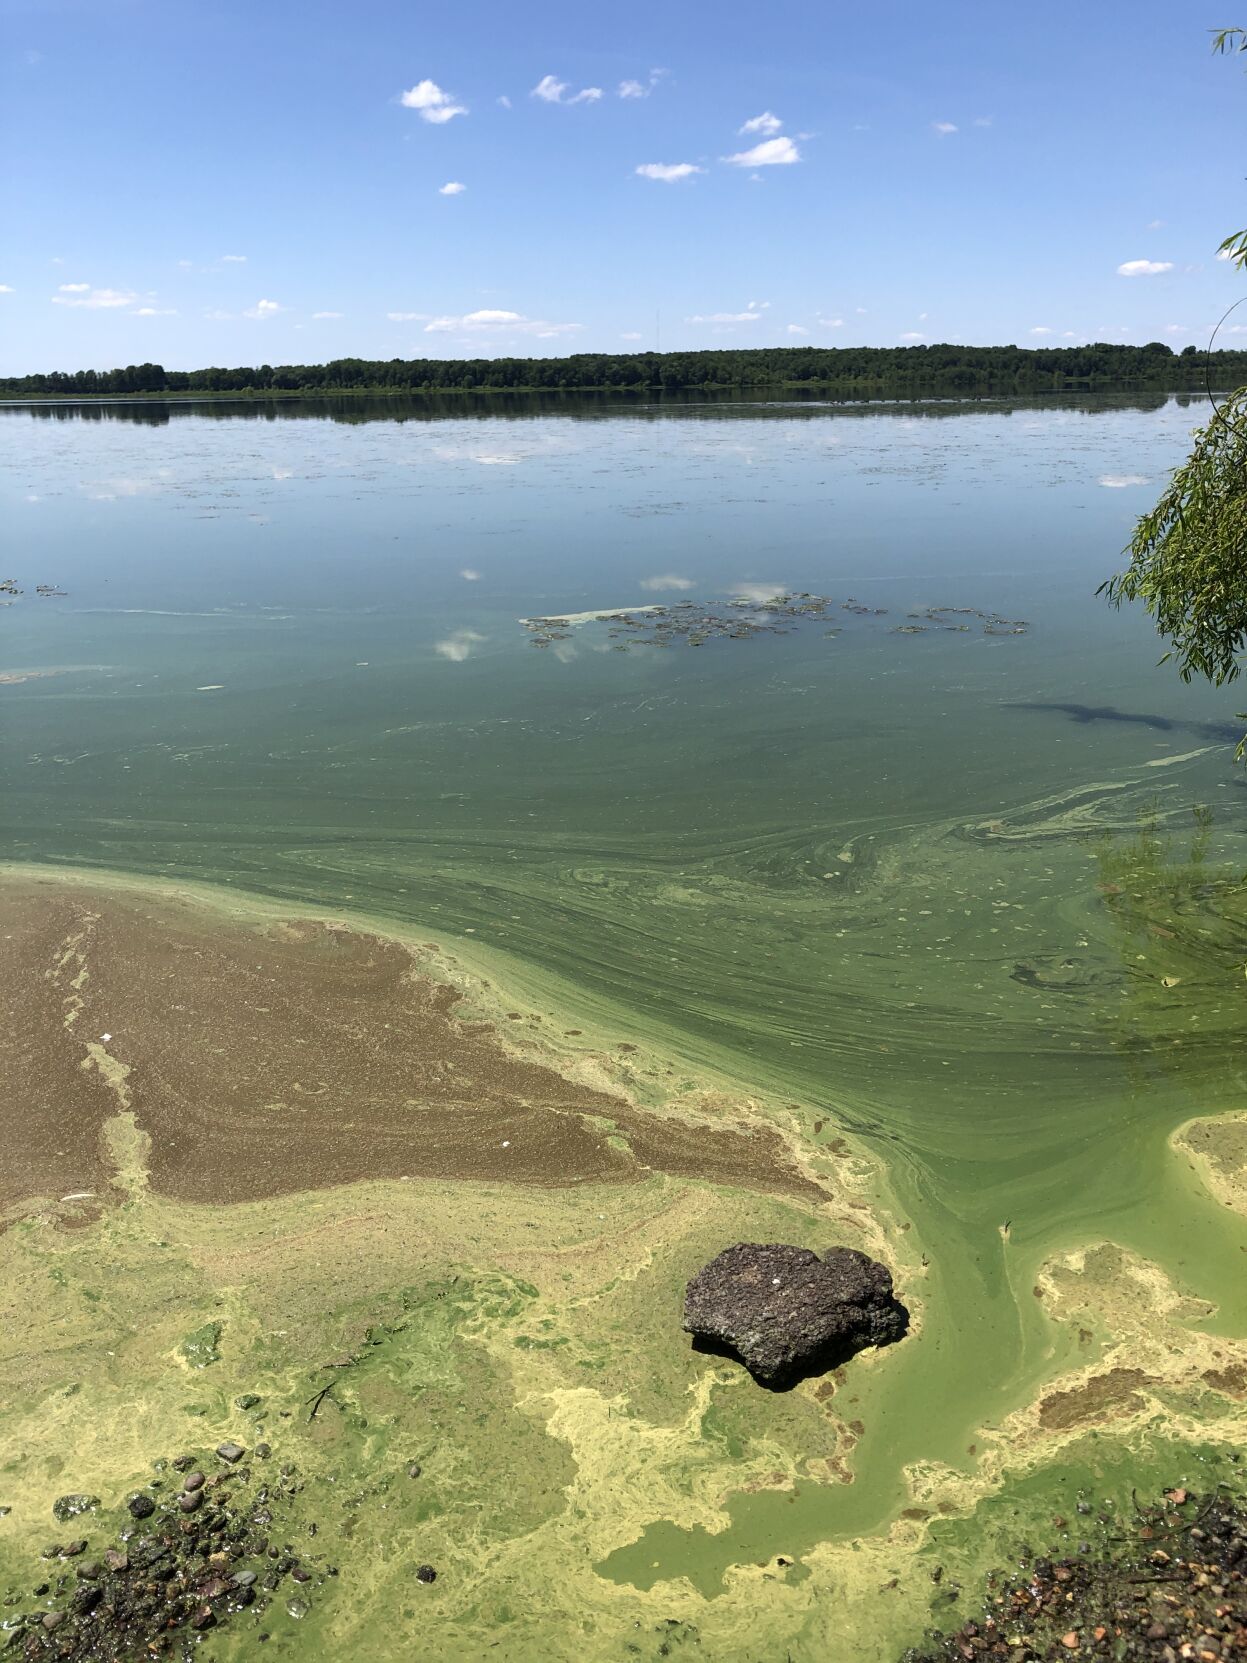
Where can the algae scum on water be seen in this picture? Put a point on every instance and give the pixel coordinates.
(397, 1020)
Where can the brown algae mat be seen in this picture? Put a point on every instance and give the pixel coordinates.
(274, 1056)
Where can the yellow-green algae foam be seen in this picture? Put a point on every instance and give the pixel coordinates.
(590, 1486)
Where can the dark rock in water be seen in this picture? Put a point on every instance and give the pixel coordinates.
(141, 1506)
(230, 1452)
(787, 1313)
(189, 1500)
(87, 1598)
(425, 1573)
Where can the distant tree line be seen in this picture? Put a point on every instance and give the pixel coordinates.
(855, 371)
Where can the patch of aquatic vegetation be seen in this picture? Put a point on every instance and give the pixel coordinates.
(202, 1347)
(694, 623)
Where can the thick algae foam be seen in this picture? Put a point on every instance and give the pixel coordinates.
(588, 1483)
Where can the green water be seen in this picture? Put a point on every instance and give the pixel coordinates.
(865, 872)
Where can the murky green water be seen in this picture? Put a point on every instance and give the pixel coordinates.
(868, 870)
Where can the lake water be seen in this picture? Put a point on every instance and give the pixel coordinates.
(920, 885)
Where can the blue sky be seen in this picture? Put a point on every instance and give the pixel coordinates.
(225, 183)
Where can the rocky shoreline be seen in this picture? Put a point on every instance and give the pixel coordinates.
(203, 1548)
(1167, 1586)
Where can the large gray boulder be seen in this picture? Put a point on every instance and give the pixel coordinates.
(786, 1313)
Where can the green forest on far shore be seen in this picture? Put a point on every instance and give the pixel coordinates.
(855, 371)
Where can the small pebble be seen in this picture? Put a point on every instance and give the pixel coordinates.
(425, 1573)
(189, 1500)
(230, 1452)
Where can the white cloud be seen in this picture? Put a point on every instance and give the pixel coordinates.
(764, 123)
(6, 289)
(1155, 225)
(216, 315)
(833, 323)
(1041, 329)
(912, 337)
(770, 153)
(82, 294)
(983, 120)
(632, 335)
(1118, 481)
(668, 172)
(944, 128)
(452, 187)
(504, 101)
(155, 312)
(234, 259)
(406, 317)
(458, 645)
(1225, 254)
(432, 103)
(551, 90)
(321, 317)
(754, 315)
(1176, 329)
(263, 309)
(665, 581)
(490, 319)
(796, 329)
(641, 89)
(470, 575)
(1144, 268)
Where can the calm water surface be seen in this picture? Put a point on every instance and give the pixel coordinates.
(857, 869)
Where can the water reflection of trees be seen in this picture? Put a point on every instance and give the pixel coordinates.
(361, 408)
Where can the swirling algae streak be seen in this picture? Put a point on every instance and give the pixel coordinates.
(1071, 1268)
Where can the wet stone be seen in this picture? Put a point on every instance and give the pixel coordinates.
(193, 1481)
(189, 1500)
(230, 1452)
(425, 1573)
(787, 1313)
(69, 1507)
